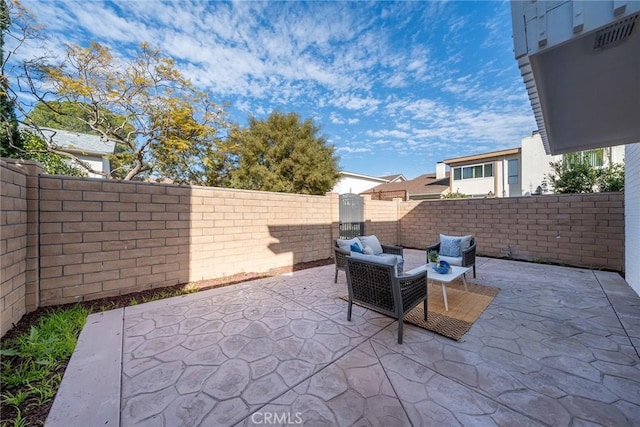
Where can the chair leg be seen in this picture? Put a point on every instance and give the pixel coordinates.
(425, 309)
(335, 279)
(474, 271)
(349, 311)
(400, 331)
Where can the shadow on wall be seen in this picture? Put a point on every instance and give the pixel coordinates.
(302, 243)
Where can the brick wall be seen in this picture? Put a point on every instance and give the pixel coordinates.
(381, 219)
(66, 239)
(585, 230)
(18, 240)
(100, 238)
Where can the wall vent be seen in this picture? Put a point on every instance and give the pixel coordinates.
(615, 33)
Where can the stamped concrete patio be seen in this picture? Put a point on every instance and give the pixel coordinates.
(558, 346)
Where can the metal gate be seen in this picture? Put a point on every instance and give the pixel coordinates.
(351, 216)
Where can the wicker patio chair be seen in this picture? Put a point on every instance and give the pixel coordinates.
(467, 256)
(374, 285)
(339, 256)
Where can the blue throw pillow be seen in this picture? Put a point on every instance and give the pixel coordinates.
(449, 246)
(356, 248)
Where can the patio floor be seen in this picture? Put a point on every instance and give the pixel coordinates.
(557, 346)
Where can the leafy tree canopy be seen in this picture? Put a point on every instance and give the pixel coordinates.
(146, 105)
(284, 154)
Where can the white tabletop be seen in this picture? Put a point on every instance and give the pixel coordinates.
(456, 271)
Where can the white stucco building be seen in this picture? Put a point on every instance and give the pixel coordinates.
(519, 171)
(351, 182)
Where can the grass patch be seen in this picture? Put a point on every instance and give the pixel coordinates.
(31, 363)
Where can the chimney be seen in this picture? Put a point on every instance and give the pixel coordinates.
(440, 170)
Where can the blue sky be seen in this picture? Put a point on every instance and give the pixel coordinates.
(395, 86)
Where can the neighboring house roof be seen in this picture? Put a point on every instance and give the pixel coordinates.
(394, 178)
(482, 156)
(362, 176)
(79, 143)
(423, 185)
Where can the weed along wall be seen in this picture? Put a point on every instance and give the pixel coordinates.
(584, 230)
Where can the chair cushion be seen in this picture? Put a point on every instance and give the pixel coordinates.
(372, 242)
(345, 244)
(385, 259)
(451, 260)
(356, 248)
(449, 245)
(367, 250)
(465, 242)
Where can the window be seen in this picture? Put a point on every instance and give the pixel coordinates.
(593, 158)
(512, 167)
(476, 171)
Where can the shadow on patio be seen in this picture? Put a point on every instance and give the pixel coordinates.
(557, 346)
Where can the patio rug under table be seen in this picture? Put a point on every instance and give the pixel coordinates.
(464, 308)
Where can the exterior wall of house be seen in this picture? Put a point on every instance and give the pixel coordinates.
(618, 154)
(632, 215)
(585, 230)
(535, 165)
(96, 163)
(350, 184)
(497, 185)
(474, 187)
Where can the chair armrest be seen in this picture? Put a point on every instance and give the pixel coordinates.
(340, 257)
(393, 250)
(469, 256)
(410, 278)
(434, 247)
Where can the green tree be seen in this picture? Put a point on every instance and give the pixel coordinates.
(10, 142)
(35, 148)
(611, 178)
(575, 174)
(174, 127)
(283, 154)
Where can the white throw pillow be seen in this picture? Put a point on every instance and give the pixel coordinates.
(465, 242)
(373, 242)
(449, 245)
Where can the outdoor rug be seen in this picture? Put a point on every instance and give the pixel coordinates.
(464, 308)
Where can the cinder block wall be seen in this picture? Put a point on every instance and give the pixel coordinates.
(381, 219)
(18, 240)
(585, 230)
(100, 238)
(66, 239)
